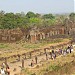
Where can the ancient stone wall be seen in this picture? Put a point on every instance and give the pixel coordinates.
(10, 35)
(35, 34)
(44, 33)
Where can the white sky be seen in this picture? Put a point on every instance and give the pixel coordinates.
(39, 6)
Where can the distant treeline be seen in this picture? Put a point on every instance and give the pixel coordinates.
(22, 20)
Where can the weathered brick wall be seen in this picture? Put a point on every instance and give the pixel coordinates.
(10, 35)
(35, 34)
(44, 33)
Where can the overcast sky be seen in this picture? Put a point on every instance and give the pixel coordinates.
(38, 6)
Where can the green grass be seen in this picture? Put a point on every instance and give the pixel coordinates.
(31, 46)
(54, 68)
(42, 43)
(3, 45)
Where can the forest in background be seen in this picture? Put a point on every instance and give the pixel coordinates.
(30, 19)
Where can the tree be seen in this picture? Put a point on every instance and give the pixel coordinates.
(20, 20)
(1, 18)
(34, 20)
(22, 14)
(38, 15)
(2, 12)
(30, 15)
(48, 16)
(72, 17)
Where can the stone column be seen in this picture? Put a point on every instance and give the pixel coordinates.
(25, 56)
(22, 63)
(18, 57)
(30, 55)
(36, 59)
(46, 56)
(45, 50)
(6, 61)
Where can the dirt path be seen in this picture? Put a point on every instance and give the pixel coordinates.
(27, 63)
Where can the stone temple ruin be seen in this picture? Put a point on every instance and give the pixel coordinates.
(10, 35)
(35, 34)
(44, 33)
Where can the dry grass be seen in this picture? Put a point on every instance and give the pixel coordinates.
(9, 49)
(64, 65)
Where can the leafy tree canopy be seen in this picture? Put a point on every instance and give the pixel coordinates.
(22, 20)
(30, 14)
(48, 16)
(72, 17)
